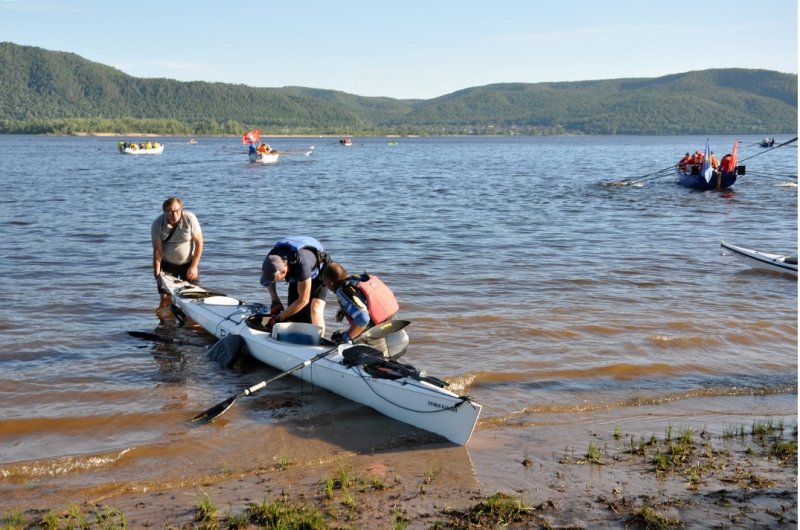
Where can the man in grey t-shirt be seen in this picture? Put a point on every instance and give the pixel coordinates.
(177, 244)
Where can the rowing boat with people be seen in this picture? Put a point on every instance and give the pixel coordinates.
(703, 172)
(355, 372)
(133, 149)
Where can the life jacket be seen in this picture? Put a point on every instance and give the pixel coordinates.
(291, 245)
(381, 302)
(727, 164)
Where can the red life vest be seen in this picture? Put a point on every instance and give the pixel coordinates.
(727, 164)
(381, 303)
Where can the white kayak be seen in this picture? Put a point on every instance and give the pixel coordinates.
(408, 399)
(263, 158)
(763, 260)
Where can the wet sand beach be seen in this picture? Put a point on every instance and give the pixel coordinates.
(725, 469)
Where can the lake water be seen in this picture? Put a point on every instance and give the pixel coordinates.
(552, 299)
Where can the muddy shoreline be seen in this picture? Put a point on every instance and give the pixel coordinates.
(669, 475)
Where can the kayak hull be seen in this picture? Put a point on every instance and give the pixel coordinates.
(763, 260)
(408, 400)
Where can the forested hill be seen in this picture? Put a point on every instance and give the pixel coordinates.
(44, 91)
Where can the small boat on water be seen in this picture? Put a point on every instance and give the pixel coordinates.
(702, 171)
(763, 260)
(692, 178)
(347, 141)
(192, 141)
(418, 400)
(263, 158)
(767, 142)
(126, 148)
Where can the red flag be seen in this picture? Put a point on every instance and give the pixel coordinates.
(251, 137)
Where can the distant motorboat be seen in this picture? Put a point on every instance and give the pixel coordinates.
(767, 142)
(192, 141)
(347, 141)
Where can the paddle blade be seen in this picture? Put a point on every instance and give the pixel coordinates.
(214, 412)
(146, 336)
(382, 331)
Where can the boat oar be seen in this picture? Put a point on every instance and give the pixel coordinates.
(635, 180)
(162, 338)
(376, 332)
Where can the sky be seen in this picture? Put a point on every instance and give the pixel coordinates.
(409, 49)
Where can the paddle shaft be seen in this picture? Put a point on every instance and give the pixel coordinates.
(262, 384)
(377, 332)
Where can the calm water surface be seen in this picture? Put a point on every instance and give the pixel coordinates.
(531, 286)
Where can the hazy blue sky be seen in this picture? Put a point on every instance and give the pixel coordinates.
(409, 48)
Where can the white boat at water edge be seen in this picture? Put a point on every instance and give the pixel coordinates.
(409, 399)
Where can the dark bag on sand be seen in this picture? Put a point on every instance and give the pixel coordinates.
(226, 350)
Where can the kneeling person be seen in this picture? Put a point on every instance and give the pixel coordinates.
(364, 300)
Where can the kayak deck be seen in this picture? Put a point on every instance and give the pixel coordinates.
(406, 399)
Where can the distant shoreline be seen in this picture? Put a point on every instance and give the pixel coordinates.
(156, 135)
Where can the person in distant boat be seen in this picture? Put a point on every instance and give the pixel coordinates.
(712, 159)
(684, 162)
(251, 150)
(177, 244)
(726, 164)
(300, 261)
(364, 301)
(263, 149)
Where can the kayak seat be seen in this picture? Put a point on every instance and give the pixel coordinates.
(791, 260)
(298, 333)
(258, 323)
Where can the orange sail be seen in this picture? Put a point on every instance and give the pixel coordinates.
(735, 147)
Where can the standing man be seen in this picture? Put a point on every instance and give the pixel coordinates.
(177, 244)
(299, 260)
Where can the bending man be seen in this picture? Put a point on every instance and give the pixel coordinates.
(299, 260)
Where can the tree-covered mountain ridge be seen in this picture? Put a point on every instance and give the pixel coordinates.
(43, 91)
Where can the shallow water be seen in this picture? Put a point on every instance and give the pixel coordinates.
(531, 286)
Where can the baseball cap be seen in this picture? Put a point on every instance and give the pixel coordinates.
(272, 265)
